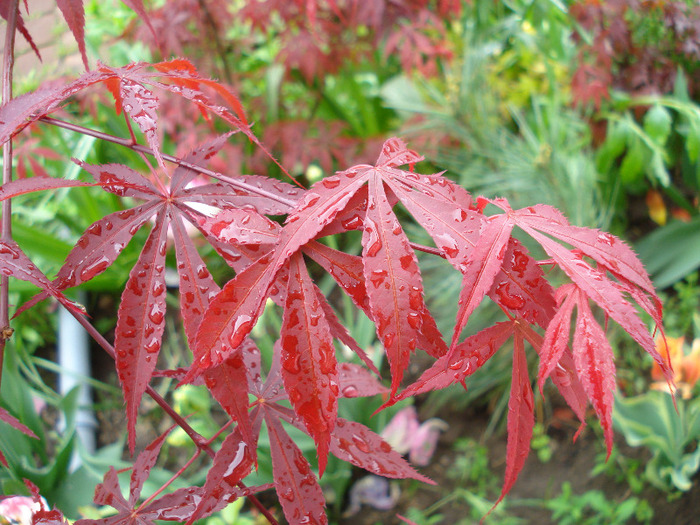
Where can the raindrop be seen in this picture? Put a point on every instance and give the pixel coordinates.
(241, 328)
(331, 182)
(158, 288)
(327, 363)
(353, 223)
(287, 494)
(152, 346)
(126, 214)
(295, 396)
(378, 277)
(91, 270)
(349, 391)
(457, 365)
(292, 364)
(95, 229)
(406, 261)
(519, 262)
(389, 339)
(414, 320)
(606, 238)
(509, 300)
(361, 444)
(156, 315)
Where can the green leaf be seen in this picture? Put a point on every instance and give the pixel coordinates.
(657, 124)
(671, 252)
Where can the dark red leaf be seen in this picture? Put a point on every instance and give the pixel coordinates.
(121, 180)
(357, 444)
(595, 367)
(101, 244)
(603, 247)
(556, 337)
(232, 462)
(74, 15)
(564, 376)
(22, 186)
(109, 493)
(15, 423)
(141, 104)
(346, 269)
(521, 286)
(14, 263)
(297, 488)
(242, 226)
(341, 333)
(21, 27)
(228, 383)
(309, 368)
(356, 381)
(481, 268)
(597, 286)
(142, 467)
(197, 286)
(141, 321)
(521, 418)
(137, 7)
(199, 156)
(266, 195)
(393, 284)
(234, 312)
(467, 357)
(442, 208)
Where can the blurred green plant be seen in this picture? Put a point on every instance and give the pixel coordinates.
(593, 508)
(651, 420)
(475, 484)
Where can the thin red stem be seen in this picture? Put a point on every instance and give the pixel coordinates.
(169, 158)
(197, 439)
(8, 62)
(428, 249)
(169, 482)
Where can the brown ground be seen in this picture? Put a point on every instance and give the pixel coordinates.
(570, 462)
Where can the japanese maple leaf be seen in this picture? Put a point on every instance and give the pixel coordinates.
(612, 257)
(141, 315)
(297, 487)
(390, 270)
(176, 506)
(128, 85)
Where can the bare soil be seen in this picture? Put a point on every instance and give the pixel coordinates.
(570, 462)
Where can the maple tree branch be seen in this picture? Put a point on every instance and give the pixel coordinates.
(8, 62)
(197, 439)
(127, 143)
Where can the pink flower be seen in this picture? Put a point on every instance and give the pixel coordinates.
(400, 430)
(425, 440)
(405, 434)
(19, 510)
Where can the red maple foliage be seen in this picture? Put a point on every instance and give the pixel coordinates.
(270, 261)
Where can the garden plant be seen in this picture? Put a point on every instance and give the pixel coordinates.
(281, 237)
